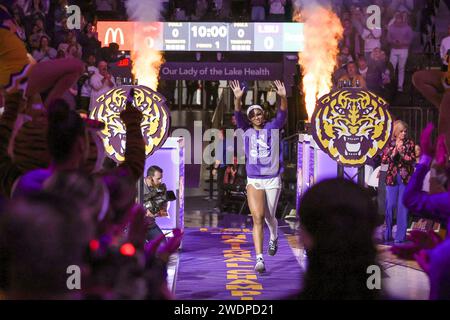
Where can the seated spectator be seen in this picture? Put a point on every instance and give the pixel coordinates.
(71, 47)
(258, 12)
(277, 10)
(37, 33)
(74, 49)
(338, 220)
(344, 56)
(339, 71)
(352, 76)
(45, 52)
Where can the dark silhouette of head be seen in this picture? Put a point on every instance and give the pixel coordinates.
(338, 219)
(41, 235)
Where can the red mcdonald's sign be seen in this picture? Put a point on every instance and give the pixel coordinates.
(120, 32)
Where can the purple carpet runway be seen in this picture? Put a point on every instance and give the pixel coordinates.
(217, 264)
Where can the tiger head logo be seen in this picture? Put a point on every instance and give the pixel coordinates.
(155, 121)
(351, 125)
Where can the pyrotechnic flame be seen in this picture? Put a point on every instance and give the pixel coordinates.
(146, 59)
(322, 31)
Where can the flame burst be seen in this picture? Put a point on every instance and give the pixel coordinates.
(146, 59)
(322, 31)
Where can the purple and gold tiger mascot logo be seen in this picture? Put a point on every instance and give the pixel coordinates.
(351, 125)
(155, 122)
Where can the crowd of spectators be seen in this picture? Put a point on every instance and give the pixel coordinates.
(380, 54)
(383, 56)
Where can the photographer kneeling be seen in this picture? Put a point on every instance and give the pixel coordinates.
(155, 200)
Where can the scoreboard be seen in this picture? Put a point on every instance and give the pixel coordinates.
(204, 36)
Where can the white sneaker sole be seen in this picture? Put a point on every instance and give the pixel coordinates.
(260, 267)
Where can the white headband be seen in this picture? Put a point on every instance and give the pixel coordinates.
(253, 107)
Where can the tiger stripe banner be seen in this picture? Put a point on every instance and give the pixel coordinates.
(155, 124)
(351, 125)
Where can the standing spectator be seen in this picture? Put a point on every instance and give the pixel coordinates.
(19, 19)
(110, 53)
(358, 22)
(400, 36)
(401, 5)
(106, 8)
(86, 88)
(372, 74)
(101, 82)
(191, 87)
(349, 34)
(371, 39)
(399, 156)
(258, 10)
(387, 75)
(223, 9)
(220, 166)
(89, 41)
(263, 88)
(45, 52)
(165, 9)
(445, 50)
(60, 15)
(277, 10)
(212, 93)
(32, 6)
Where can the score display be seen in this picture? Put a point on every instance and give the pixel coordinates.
(206, 36)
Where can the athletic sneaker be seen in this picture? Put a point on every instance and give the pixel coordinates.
(260, 266)
(273, 247)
